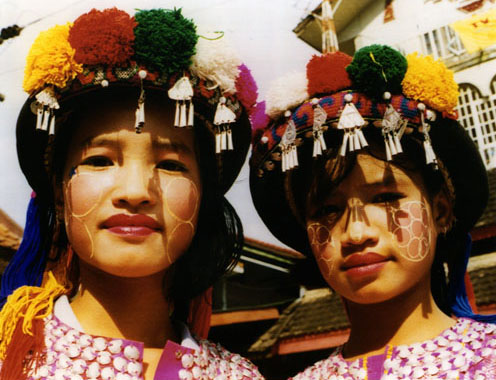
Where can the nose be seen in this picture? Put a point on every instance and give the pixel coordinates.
(357, 230)
(134, 186)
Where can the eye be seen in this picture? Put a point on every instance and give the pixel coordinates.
(172, 166)
(326, 210)
(98, 161)
(387, 197)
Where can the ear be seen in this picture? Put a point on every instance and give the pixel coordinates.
(442, 210)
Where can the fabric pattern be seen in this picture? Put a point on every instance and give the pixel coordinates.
(465, 351)
(72, 354)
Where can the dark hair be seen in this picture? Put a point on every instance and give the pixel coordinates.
(219, 234)
(309, 187)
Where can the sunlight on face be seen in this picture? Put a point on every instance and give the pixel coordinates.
(373, 237)
(131, 201)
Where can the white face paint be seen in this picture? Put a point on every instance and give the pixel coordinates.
(131, 201)
(411, 230)
(374, 236)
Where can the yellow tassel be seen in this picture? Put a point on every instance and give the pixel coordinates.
(27, 302)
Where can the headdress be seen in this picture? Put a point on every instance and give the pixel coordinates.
(154, 49)
(343, 99)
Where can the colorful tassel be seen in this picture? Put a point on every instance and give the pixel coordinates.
(288, 146)
(319, 119)
(182, 93)
(28, 303)
(222, 119)
(351, 122)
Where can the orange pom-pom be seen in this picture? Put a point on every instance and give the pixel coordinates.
(327, 73)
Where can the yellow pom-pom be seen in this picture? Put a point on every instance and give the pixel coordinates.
(431, 82)
(51, 60)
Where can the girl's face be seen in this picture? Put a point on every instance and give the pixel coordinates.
(131, 200)
(374, 236)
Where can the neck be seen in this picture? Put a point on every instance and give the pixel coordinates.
(129, 308)
(409, 318)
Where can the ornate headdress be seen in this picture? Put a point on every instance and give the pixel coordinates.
(338, 103)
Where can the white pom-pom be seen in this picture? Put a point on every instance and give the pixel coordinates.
(142, 74)
(315, 101)
(421, 107)
(264, 139)
(286, 92)
(430, 115)
(215, 60)
(104, 83)
(287, 113)
(348, 98)
(386, 95)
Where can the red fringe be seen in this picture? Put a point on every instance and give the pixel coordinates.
(25, 352)
(200, 312)
(327, 73)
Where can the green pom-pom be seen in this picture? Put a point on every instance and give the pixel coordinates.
(376, 69)
(164, 40)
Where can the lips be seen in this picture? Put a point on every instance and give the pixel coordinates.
(131, 225)
(364, 264)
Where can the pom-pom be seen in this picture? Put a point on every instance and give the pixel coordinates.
(327, 73)
(50, 60)
(103, 37)
(258, 117)
(246, 88)
(215, 60)
(429, 81)
(376, 69)
(285, 93)
(142, 74)
(164, 40)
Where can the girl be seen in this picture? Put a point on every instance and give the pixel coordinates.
(132, 134)
(369, 172)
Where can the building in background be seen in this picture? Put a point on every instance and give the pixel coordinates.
(461, 33)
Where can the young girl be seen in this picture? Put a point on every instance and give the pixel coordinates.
(369, 172)
(134, 129)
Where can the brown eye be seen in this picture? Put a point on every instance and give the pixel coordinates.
(326, 210)
(99, 161)
(387, 197)
(172, 166)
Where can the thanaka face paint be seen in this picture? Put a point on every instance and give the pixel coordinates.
(131, 200)
(378, 211)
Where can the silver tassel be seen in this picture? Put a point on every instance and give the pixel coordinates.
(46, 118)
(288, 147)
(319, 119)
(191, 114)
(176, 115)
(217, 142)
(430, 156)
(229, 139)
(182, 117)
(39, 117)
(350, 121)
(51, 129)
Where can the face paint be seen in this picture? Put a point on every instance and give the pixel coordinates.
(181, 201)
(410, 229)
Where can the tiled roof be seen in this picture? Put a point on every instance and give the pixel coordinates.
(489, 215)
(321, 311)
(10, 232)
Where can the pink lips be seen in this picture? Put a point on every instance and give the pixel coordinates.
(131, 225)
(369, 263)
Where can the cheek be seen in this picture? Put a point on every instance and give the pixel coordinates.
(411, 230)
(84, 192)
(181, 198)
(320, 238)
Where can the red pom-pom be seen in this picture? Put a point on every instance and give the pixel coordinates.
(103, 37)
(326, 73)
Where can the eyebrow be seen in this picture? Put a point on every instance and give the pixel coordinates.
(158, 142)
